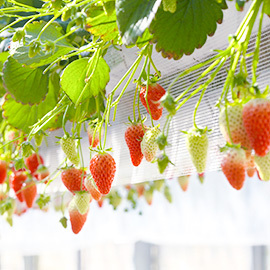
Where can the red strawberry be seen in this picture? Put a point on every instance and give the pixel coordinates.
(29, 192)
(234, 166)
(42, 172)
(16, 181)
(102, 168)
(73, 179)
(33, 161)
(76, 219)
(256, 118)
(92, 189)
(3, 171)
(133, 137)
(155, 93)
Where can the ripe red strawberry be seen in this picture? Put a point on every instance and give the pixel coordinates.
(103, 168)
(73, 179)
(183, 181)
(42, 172)
(3, 171)
(33, 161)
(234, 166)
(256, 118)
(155, 93)
(92, 189)
(77, 220)
(16, 181)
(236, 125)
(133, 137)
(29, 192)
(90, 132)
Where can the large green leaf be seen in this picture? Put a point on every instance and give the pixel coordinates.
(133, 17)
(24, 116)
(187, 28)
(25, 84)
(19, 50)
(74, 76)
(103, 24)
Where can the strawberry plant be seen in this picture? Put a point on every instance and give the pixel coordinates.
(55, 73)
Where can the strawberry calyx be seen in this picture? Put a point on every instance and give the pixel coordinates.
(168, 102)
(162, 141)
(229, 146)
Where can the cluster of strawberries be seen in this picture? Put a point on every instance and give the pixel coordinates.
(98, 183)
(248, 126)
(141, 140)
(22, 181)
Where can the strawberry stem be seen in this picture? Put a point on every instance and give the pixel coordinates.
(151, 60)
(257, 47)
(146, 93)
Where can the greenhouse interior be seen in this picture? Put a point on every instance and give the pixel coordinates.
(134, 134)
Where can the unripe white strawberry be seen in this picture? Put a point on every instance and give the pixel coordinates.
(69, 148)
(183, 182)
(149, 144)
(236, 125)
(263, 166)
(197, 145)
(82, 200)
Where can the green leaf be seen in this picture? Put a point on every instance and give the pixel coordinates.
(267, 7)
(63, 221)
(169, 5)
(24, 116)
(43, 200)
(187, 28)
(3, 58)
(74, 76)
(102, 25)
(134, 17)
(20, 51)
(24, 84)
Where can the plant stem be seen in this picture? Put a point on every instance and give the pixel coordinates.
(146, 94)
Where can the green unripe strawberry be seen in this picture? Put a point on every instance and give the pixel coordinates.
(168, 194)
(69, 148)
(263, 166)
(158, 184)
(82, 200)
(197, 145)
(149, 144)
